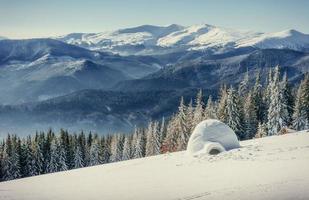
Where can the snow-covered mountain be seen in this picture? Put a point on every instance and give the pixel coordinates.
(269, 168)
(130, 39)
(149, 39)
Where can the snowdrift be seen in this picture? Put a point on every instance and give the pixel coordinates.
(212, 137)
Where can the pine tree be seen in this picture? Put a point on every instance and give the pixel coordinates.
(116, 148)
(138, 144)
(54, 159)
(182, 126)
(210, 110)
(94, 153)
(251, 122)
(288, 100)
(38, 155)
(199, 109)
(261, 131)
(257, 96)
(234, 113)
(78, 157)
(153, 139)
(106, 149)
(170, 142)
(127, 151)
(276, 109)
(162, 131)
(7, 172)
(28, 160)
(301, 115)
(149, 139)
(244, 85)
(222, 107)
(189, 117)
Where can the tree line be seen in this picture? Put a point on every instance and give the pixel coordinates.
(251, 110)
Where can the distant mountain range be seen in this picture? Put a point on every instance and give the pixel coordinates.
(111, 81)
(36, 69)
(149, 39)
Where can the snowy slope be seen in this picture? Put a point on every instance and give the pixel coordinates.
(269, 168)
(290, 39)
(152, 39)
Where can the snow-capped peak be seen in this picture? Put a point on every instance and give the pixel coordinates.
(150, 38)
(290, 39)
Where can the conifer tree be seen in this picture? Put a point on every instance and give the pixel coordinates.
(127, 151)
(139, 144)
(170, 142)
(94, 153)
(210, 110)
(250, 118)
(199, 108)
(244, 85)
(301, 115)
(53, 164)
(116, 148)
(234, 113)
(257, 96)
(276, 109)
(78, 158)
(189, 116)
(222, 107)
(261, 131)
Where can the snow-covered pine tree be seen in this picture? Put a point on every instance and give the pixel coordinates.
(234, 113)
(261, 131)
(28, 160)
(199, 108)
(250, 118)
(267, 94)
(116, 148)
(301, 115)
(162, 131)
(62, 158)
(149, 139)
(106, 149)
(6, 165)
(156, 138)
(53, 164)
(222, 108)
(210, 110)
(189, 116)
(170, 141)
(287, 101)
(276, 109)
(257, 95)
(182, 126)
(243, 87)
(94, 153)
(127, 150)
(78, 157)
(139, 144)
(38, 154)
(153, 139)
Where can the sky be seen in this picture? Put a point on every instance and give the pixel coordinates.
(45, 18)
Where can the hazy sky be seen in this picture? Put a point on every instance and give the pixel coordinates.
(42, 18)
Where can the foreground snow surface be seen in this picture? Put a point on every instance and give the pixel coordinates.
(269, 168)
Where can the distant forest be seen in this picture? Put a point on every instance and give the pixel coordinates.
(251, 110)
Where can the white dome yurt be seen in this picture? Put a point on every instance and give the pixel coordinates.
(212, 137)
